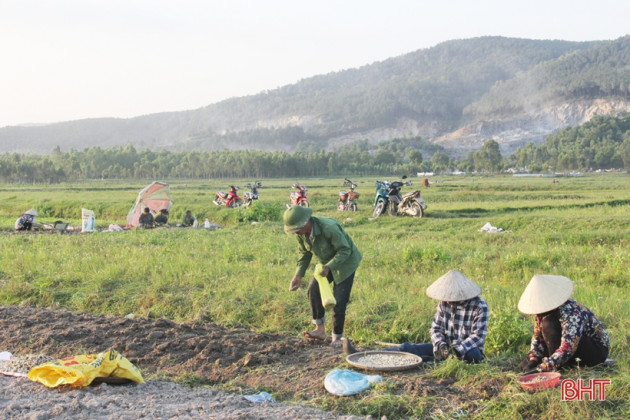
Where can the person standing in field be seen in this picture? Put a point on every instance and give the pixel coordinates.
(565, 332)
(325, 239)
(459, 326)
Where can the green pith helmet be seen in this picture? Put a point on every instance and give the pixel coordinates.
(296, 218)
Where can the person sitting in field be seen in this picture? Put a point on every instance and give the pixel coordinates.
(189, 219)
(26, 221)
(146, 219)
(565, 332)
(162, 218)
(459, 326)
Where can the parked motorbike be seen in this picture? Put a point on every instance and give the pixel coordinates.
(388, 198)
(298, 198)
(348, 199)
(229, 199)
(252, 194)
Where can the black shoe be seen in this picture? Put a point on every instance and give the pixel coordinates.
(347, 346)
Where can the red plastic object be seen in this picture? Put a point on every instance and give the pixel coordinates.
(537, 381)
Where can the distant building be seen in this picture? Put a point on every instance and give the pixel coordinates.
(443, 173)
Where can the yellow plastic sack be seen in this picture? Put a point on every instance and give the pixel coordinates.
(80, 371)
(328, 299)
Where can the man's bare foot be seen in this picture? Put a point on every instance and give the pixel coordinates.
(314, 335)
(336, 342)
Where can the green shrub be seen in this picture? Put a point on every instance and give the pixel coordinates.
(259, 212)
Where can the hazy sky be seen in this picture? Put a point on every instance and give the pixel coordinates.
(71, 59)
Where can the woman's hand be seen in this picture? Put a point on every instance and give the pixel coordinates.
(443, 352)
(529, 365)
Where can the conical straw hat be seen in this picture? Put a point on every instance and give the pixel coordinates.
(31, 212)
(544, 293)
(453, 287)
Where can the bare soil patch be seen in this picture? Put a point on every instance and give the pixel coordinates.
(238, 360)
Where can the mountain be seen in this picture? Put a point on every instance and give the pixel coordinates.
(457, 94)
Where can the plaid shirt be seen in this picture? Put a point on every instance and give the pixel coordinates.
(22, 220)
(460, 325)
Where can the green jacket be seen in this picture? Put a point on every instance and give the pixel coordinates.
(188, 221)
(331, 246)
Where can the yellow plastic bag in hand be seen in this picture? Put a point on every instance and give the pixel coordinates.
(328, 299)
(80, 371)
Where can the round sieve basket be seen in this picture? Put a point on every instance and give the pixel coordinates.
(382, 360)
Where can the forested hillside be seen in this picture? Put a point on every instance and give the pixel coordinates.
(599, 72)
(427, 85)
(601, 143)
(423, 93)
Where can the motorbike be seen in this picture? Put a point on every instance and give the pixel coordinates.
(229, 199)
(388, 198)
(298, 198)
(252, 194)
(348, 199)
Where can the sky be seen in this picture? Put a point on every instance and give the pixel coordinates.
(64, 60)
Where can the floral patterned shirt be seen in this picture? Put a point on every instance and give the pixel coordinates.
(576, 321)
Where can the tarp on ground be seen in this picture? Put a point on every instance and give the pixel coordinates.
(156, 196)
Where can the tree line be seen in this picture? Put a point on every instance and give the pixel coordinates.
(603, 142)
(358, 158)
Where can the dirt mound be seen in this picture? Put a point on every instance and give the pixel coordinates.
(23, 399)
(241, 361)
(213, 353)
(209, 353)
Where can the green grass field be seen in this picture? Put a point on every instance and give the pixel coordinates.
(239, 275)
